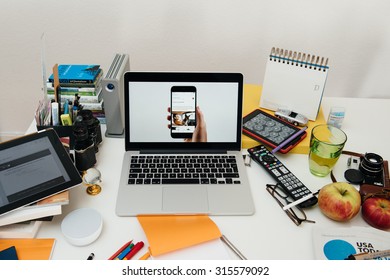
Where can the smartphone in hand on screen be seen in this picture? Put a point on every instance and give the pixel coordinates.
(183, 106)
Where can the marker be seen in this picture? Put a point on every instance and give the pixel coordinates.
(138, 246)
(288, 140)
(91, 256)
(70, 109)
(369, 256)
(298, 201)
(66, 120)
(125, 252)
(120, 250)
(55, 113)
(66, 108)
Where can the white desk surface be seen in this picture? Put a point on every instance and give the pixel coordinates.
(269, 234)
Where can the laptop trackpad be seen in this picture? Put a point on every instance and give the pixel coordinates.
(185, 200)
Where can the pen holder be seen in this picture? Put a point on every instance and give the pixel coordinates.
(62, 131)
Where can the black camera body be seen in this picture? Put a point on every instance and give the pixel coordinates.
(371, 166)
(368, 171)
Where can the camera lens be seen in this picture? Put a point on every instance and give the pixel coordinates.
(371, 164)
(84, 147)
(93, 126)
(80, 132)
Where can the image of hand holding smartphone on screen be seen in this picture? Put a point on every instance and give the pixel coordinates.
(186, 118)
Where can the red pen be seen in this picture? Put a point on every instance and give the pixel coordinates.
(138, 246)
(120, 250)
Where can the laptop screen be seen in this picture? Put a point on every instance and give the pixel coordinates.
(183, 110)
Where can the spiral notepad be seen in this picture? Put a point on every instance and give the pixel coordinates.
(294, 81)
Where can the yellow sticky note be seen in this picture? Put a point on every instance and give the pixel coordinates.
(252, 96)
(169, 233)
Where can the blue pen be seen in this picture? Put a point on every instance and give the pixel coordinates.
(66, 108)
(124, 252)
(295, 135)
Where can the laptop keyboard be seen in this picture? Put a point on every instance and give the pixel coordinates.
(183, 169)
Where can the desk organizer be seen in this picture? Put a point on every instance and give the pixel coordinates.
(62, 131)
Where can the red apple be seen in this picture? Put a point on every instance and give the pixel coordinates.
(339, 201)
(376, 212)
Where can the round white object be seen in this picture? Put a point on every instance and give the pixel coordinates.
(82, 226)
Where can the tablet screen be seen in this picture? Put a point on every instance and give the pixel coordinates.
(33, 167)
(270, 130)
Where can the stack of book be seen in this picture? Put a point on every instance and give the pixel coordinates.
(82, 80)
(25, 222)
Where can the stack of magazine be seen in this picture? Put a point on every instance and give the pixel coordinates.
(25, 222)
(83, 80)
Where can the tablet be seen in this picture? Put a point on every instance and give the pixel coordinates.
(271, 131)
(33, 167)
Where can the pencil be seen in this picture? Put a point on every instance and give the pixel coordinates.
(288, 140)
(145, 256)
(299, 201)
(232, 247)
(120, 250)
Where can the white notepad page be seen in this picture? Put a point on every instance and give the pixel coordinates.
(294, 81)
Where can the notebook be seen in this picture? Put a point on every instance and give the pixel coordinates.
(181, 130)
(294, 81)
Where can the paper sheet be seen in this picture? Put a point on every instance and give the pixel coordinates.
(210, 250)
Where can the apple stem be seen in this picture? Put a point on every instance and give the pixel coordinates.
(344, 192)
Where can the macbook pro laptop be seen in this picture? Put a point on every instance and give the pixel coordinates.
(183, 145)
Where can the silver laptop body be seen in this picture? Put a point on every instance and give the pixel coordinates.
(167, 167)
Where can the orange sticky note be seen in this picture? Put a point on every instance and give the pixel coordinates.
(30, 248)
(169, 233)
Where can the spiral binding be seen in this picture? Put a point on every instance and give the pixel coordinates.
(299, 59)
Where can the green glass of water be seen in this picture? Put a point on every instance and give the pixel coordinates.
(326, 144)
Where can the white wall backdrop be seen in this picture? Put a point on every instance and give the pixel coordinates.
(189, 35)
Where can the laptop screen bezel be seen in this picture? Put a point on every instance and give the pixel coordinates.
(198, 77)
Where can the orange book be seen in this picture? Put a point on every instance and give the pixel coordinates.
(30, 249)
(59, 198)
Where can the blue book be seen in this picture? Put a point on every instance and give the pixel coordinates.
(77, 73)
(9, 254)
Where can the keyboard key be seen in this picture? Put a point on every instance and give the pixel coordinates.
(180, 181)
(231, 175)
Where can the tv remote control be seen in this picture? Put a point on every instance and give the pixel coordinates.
(287, 180)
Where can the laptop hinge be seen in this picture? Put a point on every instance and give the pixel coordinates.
(183, 151)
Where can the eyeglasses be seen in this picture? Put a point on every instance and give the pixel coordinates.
(295, 213)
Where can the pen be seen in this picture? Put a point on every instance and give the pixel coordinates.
(120, 250)
(125, 252)
(369, 256)
(298, 201)
(91, 256)
(292, 137)
(231, 246)
(138, 246)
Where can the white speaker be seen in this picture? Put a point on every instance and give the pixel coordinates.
(113, 96)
